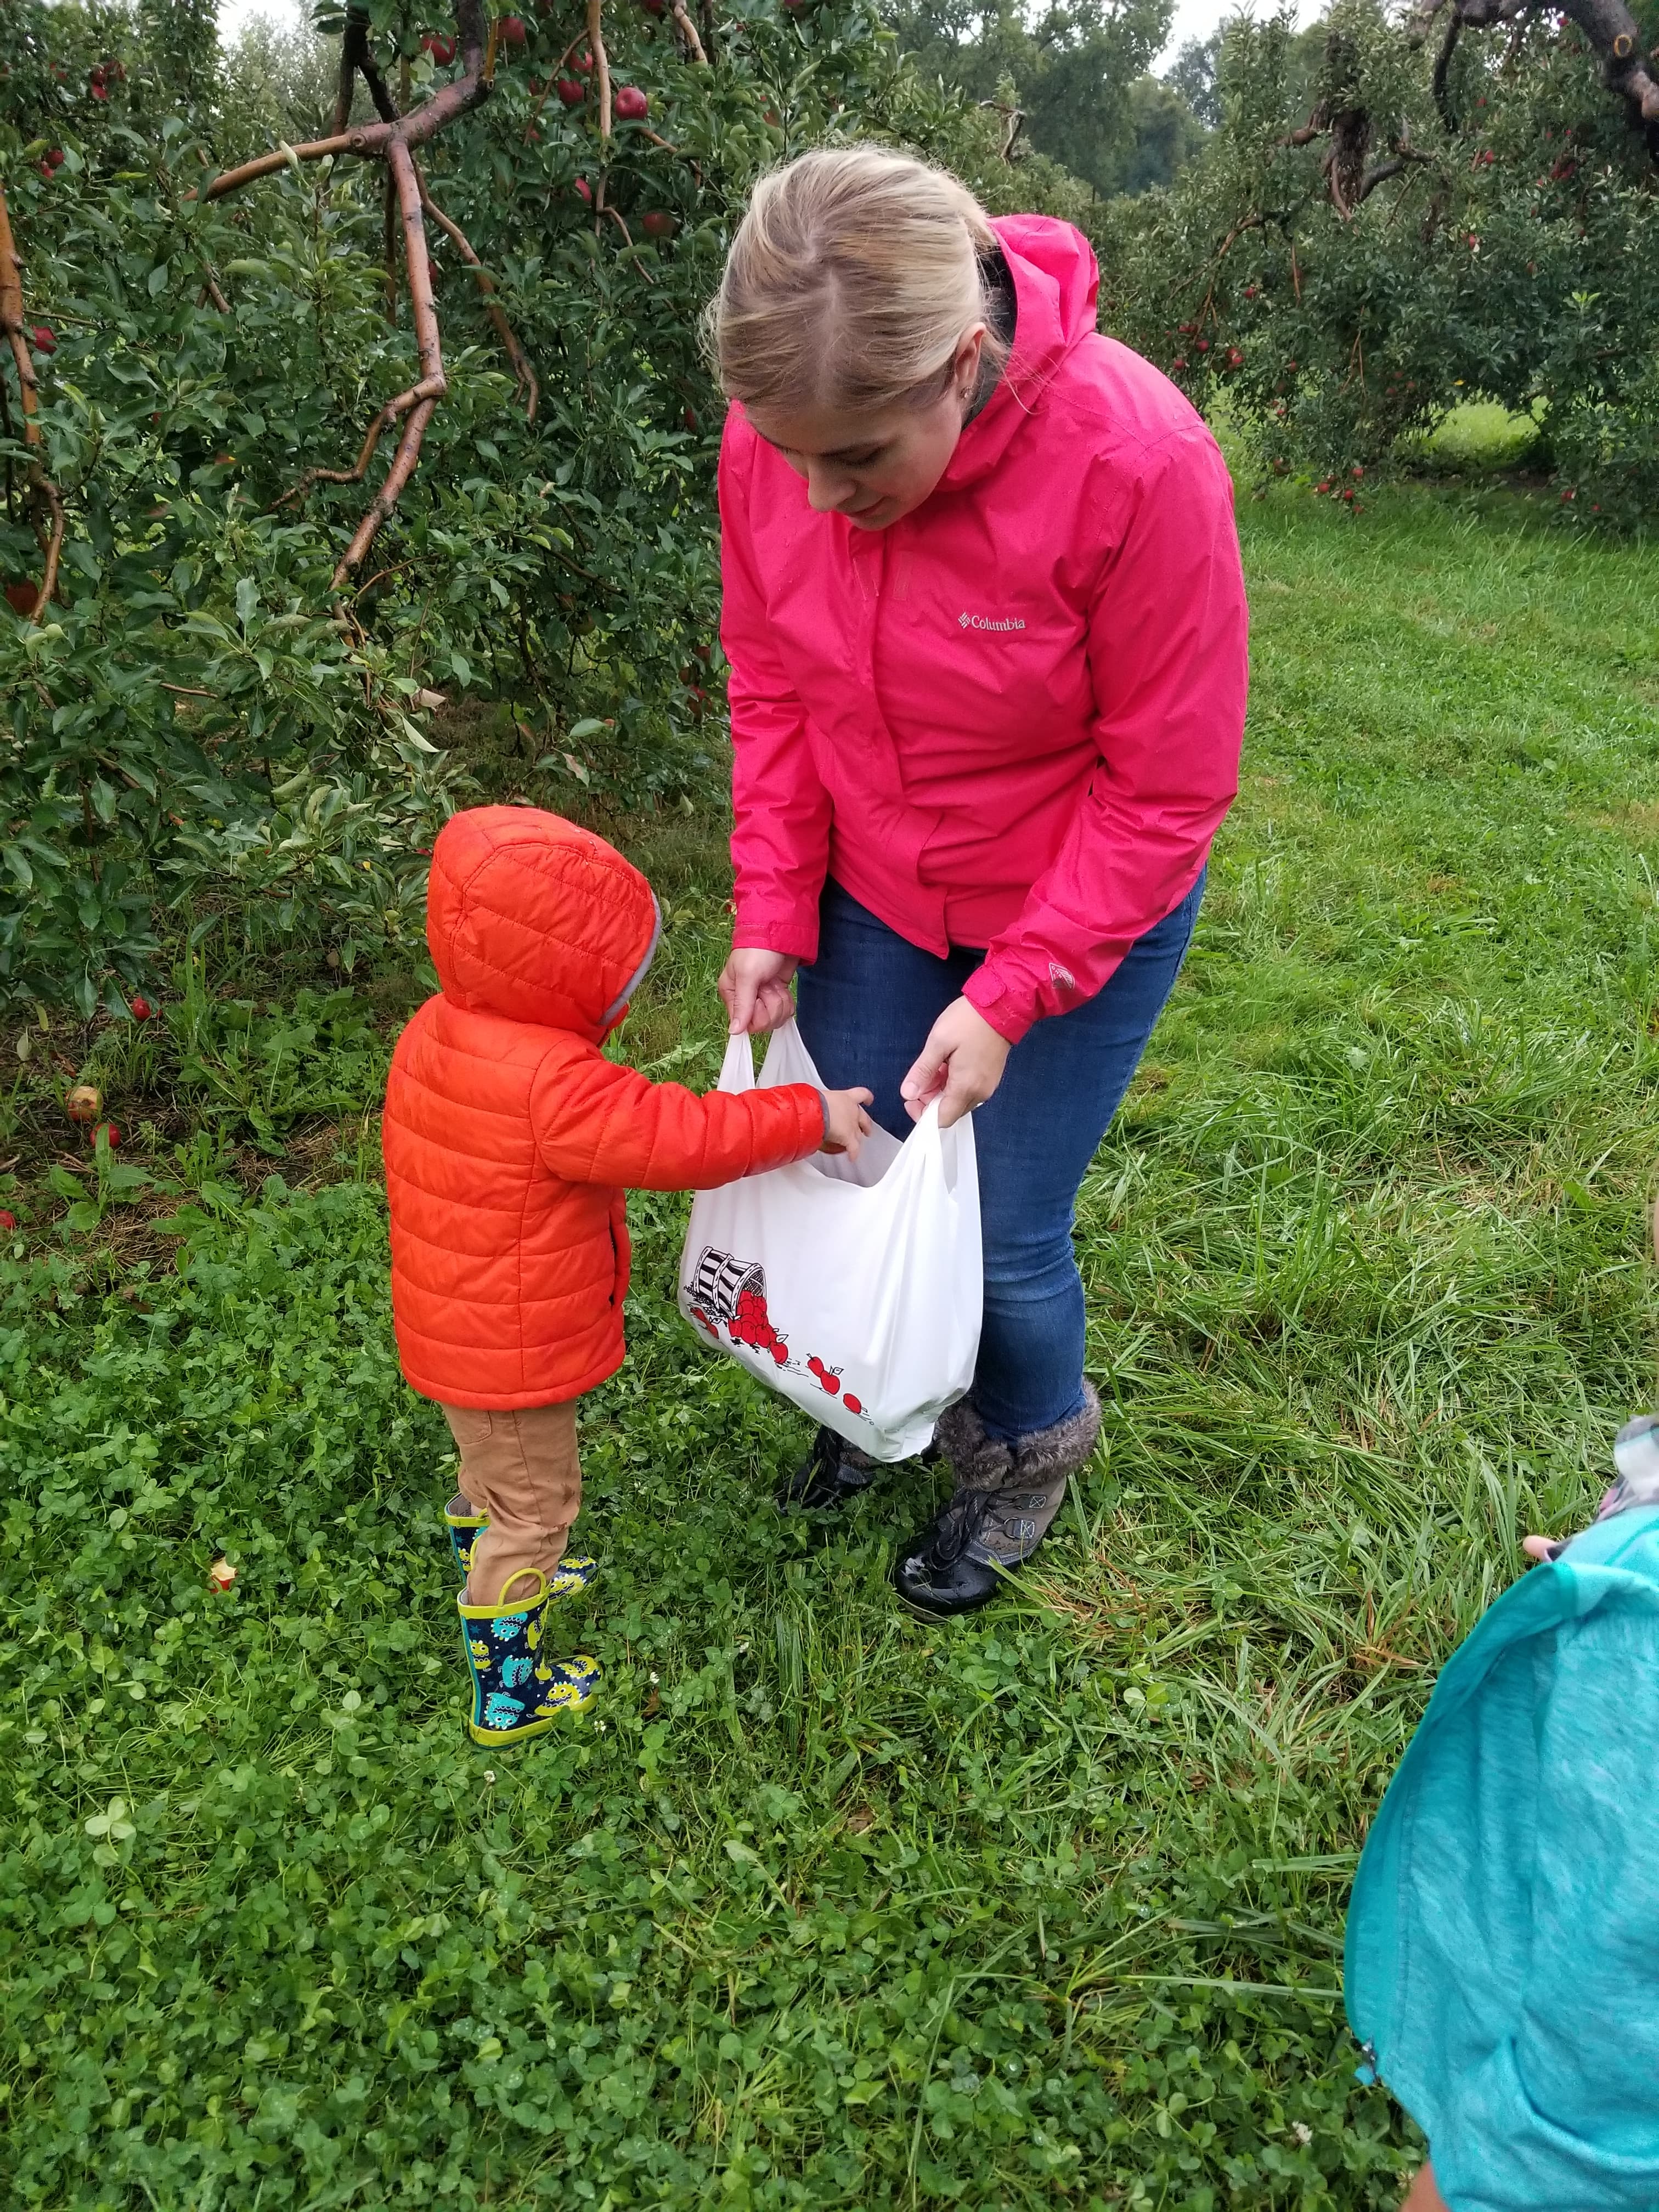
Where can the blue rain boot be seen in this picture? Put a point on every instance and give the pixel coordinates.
(464, 1523)
(463, 1520)
(517, 1692)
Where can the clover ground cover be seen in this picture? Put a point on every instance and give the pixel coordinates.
(822, 1905)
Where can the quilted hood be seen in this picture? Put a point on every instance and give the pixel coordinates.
(530, 917)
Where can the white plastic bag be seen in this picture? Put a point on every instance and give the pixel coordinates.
(853, 1287)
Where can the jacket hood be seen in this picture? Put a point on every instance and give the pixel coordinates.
(530, 917)
(1056, 284)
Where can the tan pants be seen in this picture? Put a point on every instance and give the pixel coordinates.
(522, 1470)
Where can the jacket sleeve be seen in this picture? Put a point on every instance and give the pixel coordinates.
(597, 1122)
(1168, 636)
(780, 812)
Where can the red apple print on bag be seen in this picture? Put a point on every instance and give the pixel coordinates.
(828, 1377)
(725, 1292)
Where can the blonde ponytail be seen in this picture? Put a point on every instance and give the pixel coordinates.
(853, 278)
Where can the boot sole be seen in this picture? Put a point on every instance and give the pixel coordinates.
(925, 1612)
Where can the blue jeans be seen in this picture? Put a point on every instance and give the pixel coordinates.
(865, 1005)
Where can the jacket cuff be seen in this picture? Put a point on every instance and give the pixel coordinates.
(795, 935)
(1008, 1010)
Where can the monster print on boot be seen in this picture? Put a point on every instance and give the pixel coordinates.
(831, 1476)
(463, 1522)
(1005, 1501)
(517, 1692)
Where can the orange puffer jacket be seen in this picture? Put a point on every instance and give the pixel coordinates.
(509, 1137)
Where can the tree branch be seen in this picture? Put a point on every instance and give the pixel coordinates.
(392, 140)
(1442, 65)
(1014, 120)
(417, 271)
(601, 67)
(688, 31)
(44, 494)
(523, 373)
(1627, 68)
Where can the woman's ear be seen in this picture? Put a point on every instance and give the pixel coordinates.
(964, 369)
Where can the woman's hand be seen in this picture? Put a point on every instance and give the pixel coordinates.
(960, 1065)
(755, 986)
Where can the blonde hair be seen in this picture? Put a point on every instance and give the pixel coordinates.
(854, 277)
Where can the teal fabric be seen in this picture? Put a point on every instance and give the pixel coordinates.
(1503, 1942)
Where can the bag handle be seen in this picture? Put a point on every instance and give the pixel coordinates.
(737, 1068)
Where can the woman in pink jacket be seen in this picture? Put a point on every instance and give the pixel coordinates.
(986, 623)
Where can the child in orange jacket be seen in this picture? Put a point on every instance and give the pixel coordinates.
(509, 1139)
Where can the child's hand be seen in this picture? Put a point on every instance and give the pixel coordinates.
(849, 1125)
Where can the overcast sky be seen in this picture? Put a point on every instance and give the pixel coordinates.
(1194, 19)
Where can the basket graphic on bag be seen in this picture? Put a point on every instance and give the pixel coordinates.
(718, 1283)
(724, 1289)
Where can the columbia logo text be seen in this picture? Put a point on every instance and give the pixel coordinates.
(986, 622)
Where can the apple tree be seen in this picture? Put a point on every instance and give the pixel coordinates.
(1396, 214)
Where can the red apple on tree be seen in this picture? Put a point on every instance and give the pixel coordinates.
(632, 105)
(571, 95)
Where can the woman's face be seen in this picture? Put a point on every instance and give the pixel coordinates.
(874, 467)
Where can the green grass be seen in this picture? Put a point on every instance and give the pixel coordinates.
(823, 1906)
(1480, 438)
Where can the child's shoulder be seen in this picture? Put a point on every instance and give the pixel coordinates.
(440, 1030)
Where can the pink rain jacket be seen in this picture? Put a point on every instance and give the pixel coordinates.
(1012, 718)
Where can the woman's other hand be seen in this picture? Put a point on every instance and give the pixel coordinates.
(960, 1065)
(755, 986)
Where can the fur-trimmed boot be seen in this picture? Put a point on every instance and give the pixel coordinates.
(1005, 1501)
(517, 1691)
(466, 1524)
(830, 1477)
